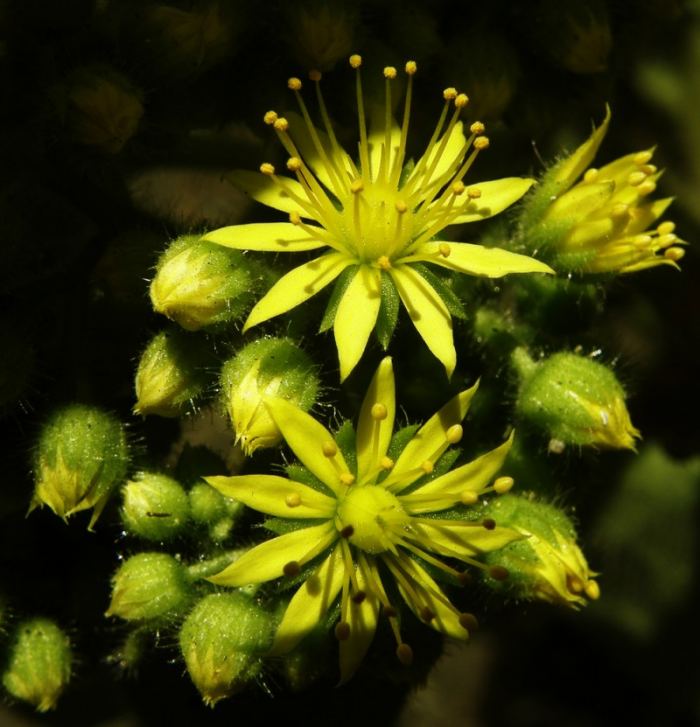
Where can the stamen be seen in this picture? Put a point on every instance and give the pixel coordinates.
(294, 164)
(646, 188)
(270, 117)
(454, 434)
(291, 569)
(427, 466)
(643, 157)
(401, 206)
(293, 499)
(347, 532)
(574, 584)
(468, 621)
(481, 142)
(342, 631)
(378, 412)
(411, 69)
(473, 193)
(450, 93)
(267, 169)
(386, 463)
(281, 124)
(295, 218)
(359, 597)
(462, 100)
(384, 263)
(498, 573)
(347, 479)
(457, 188)
(477, 128)
(444, 249)
(590, 176)
(356, 62)
(666, 228)
(674, 253)
(489, 523)
(315, 75)
(503, 485)
(426, 614)
(592, 590)
(404, 653)
(330, 449)
(468, 497)
(636, 178)
(294, 84)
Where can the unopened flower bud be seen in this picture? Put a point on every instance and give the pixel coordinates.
(547, 564)
(82, 455)
(268, 367)
(575, 400)
(149, 586)
(212, 509)
(200, 284)
(172, 373)
(155, 506)
(221, 641)
(39, 663)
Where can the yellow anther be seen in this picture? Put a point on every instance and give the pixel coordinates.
(355, 60)
(342, 631)
(643, 241)
(315, 75)
(469, 498)
(401, 206)
(454, 434)
(620, 211)
(646, 188)
(666, 240)
(411, 67)
(295, 218)
(592, 590)
(481, 142)
(404, 653)
(294, 84)
(291, 569)
(649, 168)
(427, 466)
(499, 573)
(591, 175)
(384, 263)
(390, 72)
(329, 449)
(473, 193)
(477, 128)
(574, 584)
(674, 253)
(503, 485)
(450, 93)
(643, 157)
(468, 621)
(270, 117)
(293, 499)
(357, 186)
(427, 614)
(666, 228)
(386, 463)
(267, 168)
(636, 178)
(281, 124)
(379, 412)
(444, 249)
(461, 100)
(347, 479)
(457, 188)
(294, 164)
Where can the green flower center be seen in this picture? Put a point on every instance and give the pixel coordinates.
(372, 516)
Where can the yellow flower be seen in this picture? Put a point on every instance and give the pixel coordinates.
(606, 215)
(369, 521)
(381, 219)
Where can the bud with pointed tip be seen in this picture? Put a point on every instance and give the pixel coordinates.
(155, 506)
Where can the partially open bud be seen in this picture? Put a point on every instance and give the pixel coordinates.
(221, 641)
(82, 455)
(268, 367)
(575, 400)
(200, 284)
(212, 509)
(547, 564)
(172, 373)
(39, 663)
(155, 506)
(149, 586)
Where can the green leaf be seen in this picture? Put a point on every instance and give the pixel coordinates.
(388, 311)
(449, 297)
(339, 289)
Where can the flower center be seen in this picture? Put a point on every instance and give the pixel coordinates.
(373, 516)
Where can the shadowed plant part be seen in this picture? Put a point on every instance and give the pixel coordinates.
(381, 218)
(365, 526)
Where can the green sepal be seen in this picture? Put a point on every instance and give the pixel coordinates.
(388, 311)
(339, 289)
(298, 473)
(345, 439)
(449, 297)
(284, 525)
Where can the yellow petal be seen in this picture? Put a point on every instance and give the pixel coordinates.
(496, 195)
(266, 561)
(362, 618)
(272, 236)
(374, 433)
(307, 438)
(356, 316)
(461, 539)
(266, 191)
(581, 200)
(310, 603)
(453, 152)
(493, 262)
(428, 314)
(297, 286)
(377, 136)
(447, 489)
(571, 168)
(430, 441)
(275, 496)
(645, 215)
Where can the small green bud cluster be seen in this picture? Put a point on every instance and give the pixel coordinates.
(155, 506)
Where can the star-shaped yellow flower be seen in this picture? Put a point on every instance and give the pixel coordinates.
(369, 521)
(382, 219)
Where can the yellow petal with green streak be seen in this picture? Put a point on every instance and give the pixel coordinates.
(297, 286)
(362, 618)
(306, 437)
(265, 190)
(445, 491)
(428, 313)
(374, 434)
(310, 603)
(276, 496)
(265, 236)
(571, 168)
(356, 316)
(581, 201)
(459, 539)
(429, 442)
(496, 195)
(493, 262)
(266, 561)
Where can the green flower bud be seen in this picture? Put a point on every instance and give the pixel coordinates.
(547, 564)
(172, 373)
(39, 663)
(149, 586)
(214, 510)
(268, 367)
(575, 400)
(81, 457)
(100, 108)
(200, 284)
(221, 640)
(155, 507)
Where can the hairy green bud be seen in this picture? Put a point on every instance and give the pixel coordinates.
(155, 506)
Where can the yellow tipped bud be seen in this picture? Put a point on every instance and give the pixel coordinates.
(477, 127)
(379, 412)
(462, 100)
(401, 206)
(590, 176)
(293, 499)
(449, 94)
(294, 164)
(666, 228)
(411, 67)
(674, 254)
(481, 142)
(281, 124)
(355, 60)
(294, 84)
(267, 168)
(390, 72)
(270, 117)
(329, 449)
(503, 485)
(454, 434)
(473, 193)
